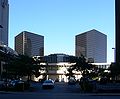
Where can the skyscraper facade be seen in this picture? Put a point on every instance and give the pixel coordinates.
(4, 19)
(92, 45)
(27, 43)
(117, 23)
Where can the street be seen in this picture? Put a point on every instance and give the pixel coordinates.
(54, 96)
(60, 87)
(61, 91)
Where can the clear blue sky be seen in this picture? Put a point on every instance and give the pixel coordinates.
(60, 20)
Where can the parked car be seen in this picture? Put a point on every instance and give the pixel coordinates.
(48, 84)
(17, 85)
(71, 81)
(2, 85)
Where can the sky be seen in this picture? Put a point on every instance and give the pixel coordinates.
(60, 20)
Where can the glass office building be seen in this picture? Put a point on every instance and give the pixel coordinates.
(92, 45)
(31, 44)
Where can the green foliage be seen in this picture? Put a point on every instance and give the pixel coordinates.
(81, 65)
(70, 74)
(20, 66)
(24, 66)
(115, 69)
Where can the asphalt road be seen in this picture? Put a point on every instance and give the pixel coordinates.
(55, 96)
(60, 87)
(61, 91)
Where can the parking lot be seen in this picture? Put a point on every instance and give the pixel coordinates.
(60, 87)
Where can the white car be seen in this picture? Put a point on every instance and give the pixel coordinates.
(48, 84)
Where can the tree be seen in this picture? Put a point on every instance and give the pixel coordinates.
(21, 66)
(38, 67)
(115, 70)
(25, 66)
(81, 65)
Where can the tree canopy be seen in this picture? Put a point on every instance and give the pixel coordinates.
(81, 65)
(23, 66)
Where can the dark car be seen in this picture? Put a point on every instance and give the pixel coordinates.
(48, 84)
(71, 81)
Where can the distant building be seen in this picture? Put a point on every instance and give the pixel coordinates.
(56, 58)
(27, 43)
(92, 45)
(4, 21)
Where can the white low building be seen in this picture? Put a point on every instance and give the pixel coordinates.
(59, 71)
(102, 65)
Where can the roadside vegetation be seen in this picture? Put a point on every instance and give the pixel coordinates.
(94, 78)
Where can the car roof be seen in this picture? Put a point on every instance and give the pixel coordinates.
(48, 81)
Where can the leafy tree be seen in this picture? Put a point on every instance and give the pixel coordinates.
(81, 65)
(115, 70)
(24, 66)
(38, 67)
(21, 66)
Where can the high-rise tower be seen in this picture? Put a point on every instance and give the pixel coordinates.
(4, 19)
(117, 19)
(92, 45)
(27, 43)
